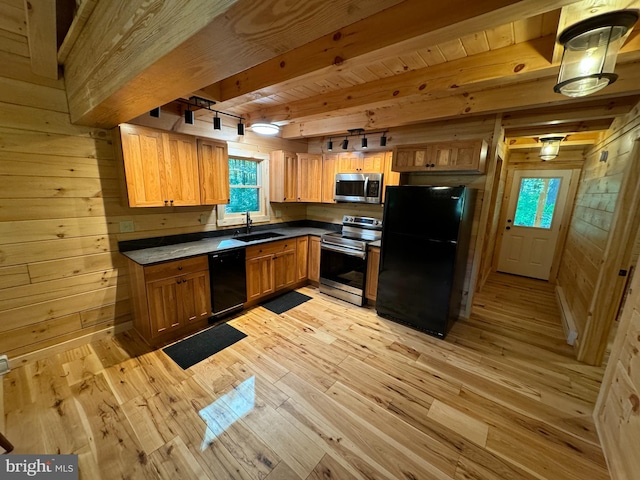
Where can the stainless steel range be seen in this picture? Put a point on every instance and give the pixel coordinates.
(343, 258)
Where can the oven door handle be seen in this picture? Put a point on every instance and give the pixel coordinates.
(346, 251)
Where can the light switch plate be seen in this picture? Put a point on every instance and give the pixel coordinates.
(127, 226)
(4, 364)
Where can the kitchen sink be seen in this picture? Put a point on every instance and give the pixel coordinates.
(258, 236)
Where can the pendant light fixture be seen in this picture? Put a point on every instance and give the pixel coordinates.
(265, 128)
(590, 51)
(550, 147)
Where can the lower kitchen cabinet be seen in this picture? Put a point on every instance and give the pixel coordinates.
(271, 267)
(314, 259)
(170, 299)
(373, 266)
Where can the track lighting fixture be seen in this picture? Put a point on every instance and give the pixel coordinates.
(217, 124)
(265, 128)
(590, 51)
(202, 103)
(155, 112)
(240, 127)
(364, 141)
(550, 147)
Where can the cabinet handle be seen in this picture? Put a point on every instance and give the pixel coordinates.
(178, 281)
(166, 202)
(433, 164)
(179, 268)
(171, 202)
(284, 198)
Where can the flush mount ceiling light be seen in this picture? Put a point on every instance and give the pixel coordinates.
(590, 51)
(265, 128)
(550, 147)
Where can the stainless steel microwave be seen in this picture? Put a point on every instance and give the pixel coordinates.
(358, 187)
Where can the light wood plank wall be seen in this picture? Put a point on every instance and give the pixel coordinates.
(591, 223)
(617, 412)
(61, 275)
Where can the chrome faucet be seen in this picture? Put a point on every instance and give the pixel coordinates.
(249, 221)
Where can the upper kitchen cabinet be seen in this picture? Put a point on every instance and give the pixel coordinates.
(462, 156)
(283, 176)
(171, 169)
(357, 162)
(214, 172)
(309, 177)
(161, 169)
(329, 170)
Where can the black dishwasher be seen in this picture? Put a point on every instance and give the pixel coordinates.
(228, 282)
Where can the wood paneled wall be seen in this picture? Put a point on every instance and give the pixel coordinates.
(590, 239)
(61, 275)
(617, 412)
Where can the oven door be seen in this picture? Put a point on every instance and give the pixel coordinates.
(342, 273)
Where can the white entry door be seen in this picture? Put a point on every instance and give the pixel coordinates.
(534, 212)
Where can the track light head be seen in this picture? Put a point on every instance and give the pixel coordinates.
(364, 142)
(240, 128)
(155, 112)
(330, 145)
(217, 123)
(383, 140)
(188, 117)
(345, 144)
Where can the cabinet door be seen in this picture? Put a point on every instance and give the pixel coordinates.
(164, 307)
(314, 259)
(373, 162)
(373, 265)
(260, 278)
(309, 177)
(412, 159)
(284, 268)
(389, 177)
(181, 169)
(213, 161)
(302, 258)
(329, 166)
(194, 296)
(143, 156)
(350, 163)
(283, 176)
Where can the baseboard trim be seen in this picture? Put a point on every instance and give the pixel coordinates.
(568, 324)
(69, 344)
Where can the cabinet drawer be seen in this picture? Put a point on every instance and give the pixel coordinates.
(270, 248)
(177, 267)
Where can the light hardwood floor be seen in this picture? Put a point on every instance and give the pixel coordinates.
(326, 391)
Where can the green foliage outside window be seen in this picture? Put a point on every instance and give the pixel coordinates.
(536, 202)
(245, 188)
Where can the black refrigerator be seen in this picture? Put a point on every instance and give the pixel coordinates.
(423, 259)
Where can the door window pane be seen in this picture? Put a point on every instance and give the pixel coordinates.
(536, 202)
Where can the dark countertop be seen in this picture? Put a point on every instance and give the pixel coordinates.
(148, 256)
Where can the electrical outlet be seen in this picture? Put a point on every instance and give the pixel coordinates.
(203, 218)
(127, 226)
(278, 213)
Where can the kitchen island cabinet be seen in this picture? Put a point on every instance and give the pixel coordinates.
(170, 299)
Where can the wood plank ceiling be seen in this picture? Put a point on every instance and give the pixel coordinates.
(329, 66)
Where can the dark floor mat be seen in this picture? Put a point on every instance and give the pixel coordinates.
(194, 349)
(286, 302)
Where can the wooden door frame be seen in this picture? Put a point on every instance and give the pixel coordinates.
(610, 285)
(565, 219)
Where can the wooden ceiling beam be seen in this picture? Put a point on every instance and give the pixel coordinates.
(530, 94)
(501, 65)
(410, 26)
(586, 126)
(135, 55)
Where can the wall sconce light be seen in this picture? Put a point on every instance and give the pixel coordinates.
(155, 112)
(550, 147)
(345, 143)
(217, 123)
(265, 128)
(330, 145)
(240, 127)
(590, 51)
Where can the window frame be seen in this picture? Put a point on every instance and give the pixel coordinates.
(225, 219)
